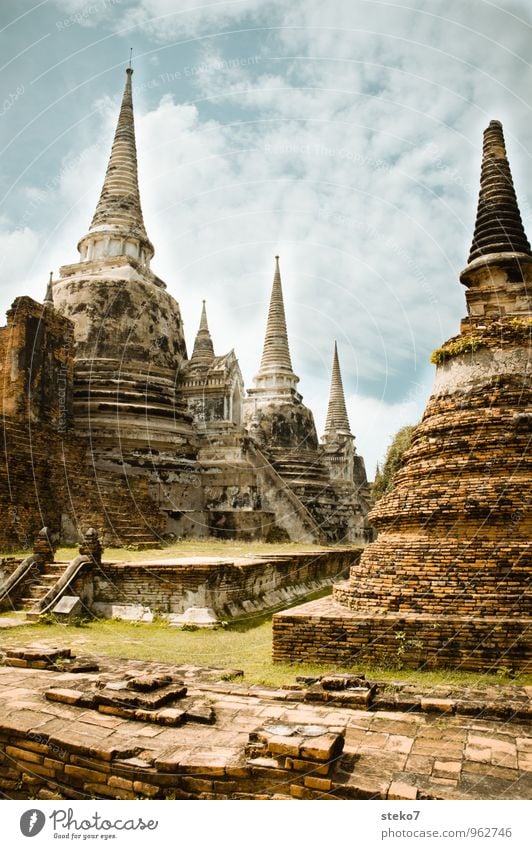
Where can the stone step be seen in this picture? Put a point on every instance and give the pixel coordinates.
(38, 590)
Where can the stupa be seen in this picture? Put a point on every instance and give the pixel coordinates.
(447, 582)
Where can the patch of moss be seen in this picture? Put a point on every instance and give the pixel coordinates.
(462, 345)
(521, 323)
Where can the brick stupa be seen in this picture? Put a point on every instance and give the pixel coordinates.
(447, 582)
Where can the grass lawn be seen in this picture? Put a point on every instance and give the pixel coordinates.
(194, 548)
(245, 646)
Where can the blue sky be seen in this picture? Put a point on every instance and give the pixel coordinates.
(345, 136)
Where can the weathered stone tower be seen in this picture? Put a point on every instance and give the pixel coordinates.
(447, 582)
(346, 468)
(129, 342)
(157, 444)
(284, 430)
(275, 413)
(345, 465)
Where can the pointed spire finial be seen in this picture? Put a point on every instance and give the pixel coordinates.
(275, 378)
(337, 418)
(118, 213)
(130, 55)
(498, 227)
(49, 297)
(203, 348)
(276, 353)
(203, 320)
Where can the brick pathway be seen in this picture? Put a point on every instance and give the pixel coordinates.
(264, 743)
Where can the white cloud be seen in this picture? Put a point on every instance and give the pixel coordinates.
(86, 13)
(163, 21)
(351, 146)
(17, 251)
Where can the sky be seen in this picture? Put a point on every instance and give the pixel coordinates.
(344, 136)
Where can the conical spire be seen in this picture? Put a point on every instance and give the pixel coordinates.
(119, 211)
(276, 353)
(337, 418)
(49, 297)
(498, 227)
(203, 347)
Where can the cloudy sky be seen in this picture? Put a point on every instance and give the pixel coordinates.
(344, 135)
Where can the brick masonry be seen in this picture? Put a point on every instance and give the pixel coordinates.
(264, 743)
(325, 631)
(450, 569)
(230, 586)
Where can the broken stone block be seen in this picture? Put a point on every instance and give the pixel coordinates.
(199, 710)
(438, 705)
(70, 697)
(198, 617)
(342, 681)
(402, 790)
(33, 653)
(145, 683)
(79, 664)
(123, 697)
(323, 748)
(171, 716)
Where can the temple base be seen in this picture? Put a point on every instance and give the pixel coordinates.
(324, 631)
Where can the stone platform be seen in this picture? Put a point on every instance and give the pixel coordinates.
(232, 587)
(72, 736)
(325, 631)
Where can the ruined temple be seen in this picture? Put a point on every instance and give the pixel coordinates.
(447, 582)
(283, 429)
(108, 423)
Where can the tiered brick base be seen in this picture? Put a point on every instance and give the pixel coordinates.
(447, 582)
(325, 631)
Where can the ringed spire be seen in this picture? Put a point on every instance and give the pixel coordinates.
(498, 227)
(276, 352)
(337, 418)
(118, 215)
(203, 348)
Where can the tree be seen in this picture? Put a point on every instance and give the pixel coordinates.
(394, 458)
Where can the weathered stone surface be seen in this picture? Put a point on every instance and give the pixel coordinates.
(146, 683)
(387, 754)
(70, 697)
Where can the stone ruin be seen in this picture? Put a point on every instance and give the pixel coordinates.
(112, 728)
(447, 582)
(108, 423)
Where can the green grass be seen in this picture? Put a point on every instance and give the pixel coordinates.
(245, 646)
(192, 548)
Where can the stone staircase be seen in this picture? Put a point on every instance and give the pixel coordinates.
(300, 467)
(308, 478)
(290, 512)
(42, 585)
